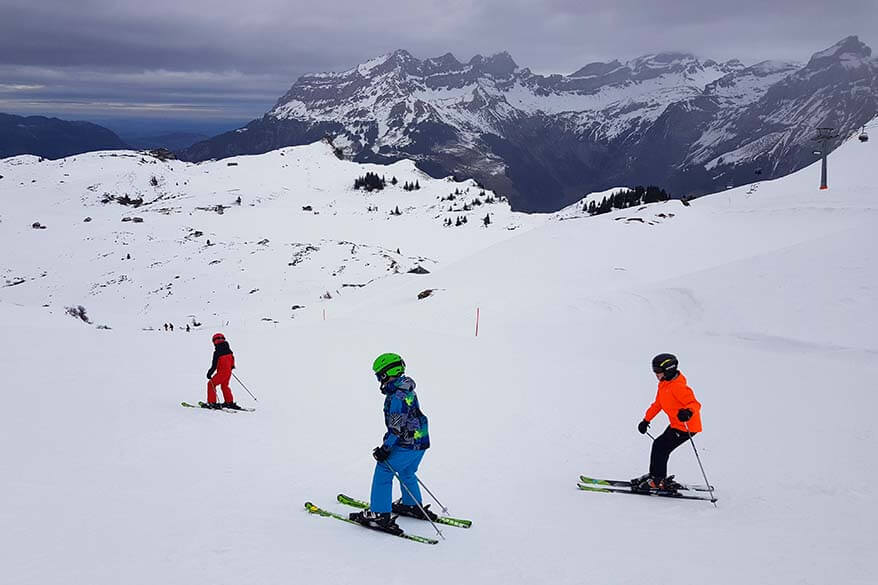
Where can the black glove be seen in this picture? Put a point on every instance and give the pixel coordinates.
(684, 414)
(380, 453)
(642, 426)
(209, 376)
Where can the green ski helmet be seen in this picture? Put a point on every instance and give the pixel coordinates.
(388, 365)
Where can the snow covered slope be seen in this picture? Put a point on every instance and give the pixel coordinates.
(766, 293)
(139, 241)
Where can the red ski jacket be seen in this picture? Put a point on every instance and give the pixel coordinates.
(223, 360)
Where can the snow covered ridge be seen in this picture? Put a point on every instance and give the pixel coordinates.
(670, 119)
(138, 240)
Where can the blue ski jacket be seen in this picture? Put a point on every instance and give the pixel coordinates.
(406, 424)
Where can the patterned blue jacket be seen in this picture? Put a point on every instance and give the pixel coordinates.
(406, 424)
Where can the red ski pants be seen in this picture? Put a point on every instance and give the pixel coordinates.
(219, 379)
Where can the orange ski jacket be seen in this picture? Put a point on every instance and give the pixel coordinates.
(671, 397)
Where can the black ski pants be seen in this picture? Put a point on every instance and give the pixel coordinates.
(662, 447)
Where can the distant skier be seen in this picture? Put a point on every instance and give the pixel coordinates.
(401, 450)
(676, 398)
(223, 363)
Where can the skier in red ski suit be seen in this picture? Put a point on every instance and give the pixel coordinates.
(223, 363)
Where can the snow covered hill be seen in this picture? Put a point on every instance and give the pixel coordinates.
(138, 241)
(765, 292)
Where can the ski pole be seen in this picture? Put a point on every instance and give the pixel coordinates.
(406, 488)
(435, 499)
(650, 435)
(709, 487)
(245, 387)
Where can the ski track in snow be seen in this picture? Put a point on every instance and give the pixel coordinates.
(767, 296)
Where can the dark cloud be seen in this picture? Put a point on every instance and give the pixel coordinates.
(236, 57)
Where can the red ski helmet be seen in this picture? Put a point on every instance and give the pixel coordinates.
(218, 338)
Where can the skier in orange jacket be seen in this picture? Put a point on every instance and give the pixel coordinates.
(223, 363)
(678, 401)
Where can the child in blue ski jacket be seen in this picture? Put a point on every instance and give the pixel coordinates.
(401, 450)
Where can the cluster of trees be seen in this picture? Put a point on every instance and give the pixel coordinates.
(370, 182)
(627, 198)
(477, 201)
(459, 221)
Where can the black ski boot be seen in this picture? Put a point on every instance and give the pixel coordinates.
(370, 519)
(414, 511)
(668, 485)
(648, 483)
(641, 483)
(232, 406)
(211, 405)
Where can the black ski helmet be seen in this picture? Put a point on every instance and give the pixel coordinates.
(666, 364)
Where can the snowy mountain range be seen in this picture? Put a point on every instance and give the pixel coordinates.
(689, 125)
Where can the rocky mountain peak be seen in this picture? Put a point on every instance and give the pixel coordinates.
(847, 49)
(399, 59)
(447, 63)
(497, 65)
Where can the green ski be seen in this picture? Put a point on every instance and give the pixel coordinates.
(321, 512)
(674, 495)
(626, 483)
(458, 522)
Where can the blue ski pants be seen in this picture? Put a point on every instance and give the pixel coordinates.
(405, 462)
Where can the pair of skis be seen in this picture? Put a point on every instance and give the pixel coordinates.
(589, 484)
(618, 486)
(349, 501)
(206, 406)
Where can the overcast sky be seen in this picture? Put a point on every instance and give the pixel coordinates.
(223, 59)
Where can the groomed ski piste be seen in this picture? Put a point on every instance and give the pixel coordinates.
(765, 292)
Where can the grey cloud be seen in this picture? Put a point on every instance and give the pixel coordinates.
(208, 52)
